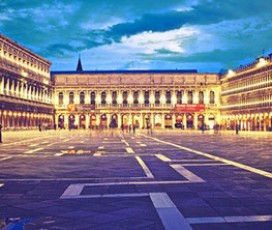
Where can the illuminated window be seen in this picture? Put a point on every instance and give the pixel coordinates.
(157, 98)
(103, 98)
(135, 97)
(92, 98)
(125, 97)
(201, 97)
(146, 98)
(211, 97)
(168, 97)
(71, 98)
(190, 97)
(114, 98)
(60, 98)
(179, 97)
(82, 98)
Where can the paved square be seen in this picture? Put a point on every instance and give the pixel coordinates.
(173, 179)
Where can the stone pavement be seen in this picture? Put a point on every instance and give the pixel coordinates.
(112, 180)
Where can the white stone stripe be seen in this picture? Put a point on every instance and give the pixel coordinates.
(71, 147)
(73, 190)
(118, 195)
(233, 163)
(52, 144)
(187, 174)
(144, 167)
(1, 185)
(34, 150)
(206, 164)
(126, 143)
(101, 147)
(97, 155)
(143, 145)
(229, 219)
(129, 150)
(5, 158)
(163, 158)
(58, 154)
(19, 142)
(33, 145)
(170, 216)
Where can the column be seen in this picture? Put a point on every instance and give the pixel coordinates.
(184, 121)
(173, 120)
(87, 120)
(119, 120)
(184, 97)
(195, 121)
(163, 120)
(108, 120)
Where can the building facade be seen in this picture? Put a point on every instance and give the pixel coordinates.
(159, 99)
(25, 87)
(246, 96)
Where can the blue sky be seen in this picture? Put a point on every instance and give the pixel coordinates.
(207, 35)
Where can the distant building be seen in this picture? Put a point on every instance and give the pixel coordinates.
(246, 96)
(160, 99)
(25, 87)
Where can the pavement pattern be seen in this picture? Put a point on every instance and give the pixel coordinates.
(170, 179)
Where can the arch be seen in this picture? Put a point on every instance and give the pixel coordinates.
(103, 121)
(190, 121)
(60, 98)
(211, 97)
(82, 98)
(158, 120)
(61, 121)
(92, 121)
(179, 121)
(136, 121)
(211, 121)
(114, 121)
(82, 121)
(201, 122)
(71, 98)
(71, 121)
(168, 120)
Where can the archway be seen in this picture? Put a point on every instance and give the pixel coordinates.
(168, 121)
(190, 121)
(71, 123)
(211, 121)
(92, 121)
(200, 122)
(61, 121)
(158, 121)
(136, 121)
(114, 121)
(179, 121)
(103, 121)
(82, 121)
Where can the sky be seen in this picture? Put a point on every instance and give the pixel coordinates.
(207, 35)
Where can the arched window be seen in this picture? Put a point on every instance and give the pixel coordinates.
(211, 97)
(92, 98)
(125, 96)
(168, 97)
(71, 98)
(157, 98)
(82, 98)
(146, 98)
(61, 98)
(190, 97)
(135, 98)
(103, 98)
(179, 97)
(114, 98)
(201, 97)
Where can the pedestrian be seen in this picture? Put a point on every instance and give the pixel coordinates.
(1, 133)
(134, 128)
(40, 127)
(237, 129)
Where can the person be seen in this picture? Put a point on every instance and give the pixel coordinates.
(40, 127)
(134, 128)
(202, 128)
(237, 129)
(1, 133)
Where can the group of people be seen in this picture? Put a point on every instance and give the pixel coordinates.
(129, 128)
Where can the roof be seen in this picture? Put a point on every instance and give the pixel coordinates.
(125, 72)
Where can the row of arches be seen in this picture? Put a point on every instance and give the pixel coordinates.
(169, 120)
(136, 97)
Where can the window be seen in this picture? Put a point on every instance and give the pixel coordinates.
(211, 97)
(157, 98)
(125, 96)
(190, 97)
(179, 97)
(82, 98)
(201, 97)
(92, 98)
(168, 97)
(60, 98)
(135, 98)
(71, 98)
(114, 98)
(103, 98)
(146, 98)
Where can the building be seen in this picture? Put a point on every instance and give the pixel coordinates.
(160, 99)
(246, 96)
(25, 87)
